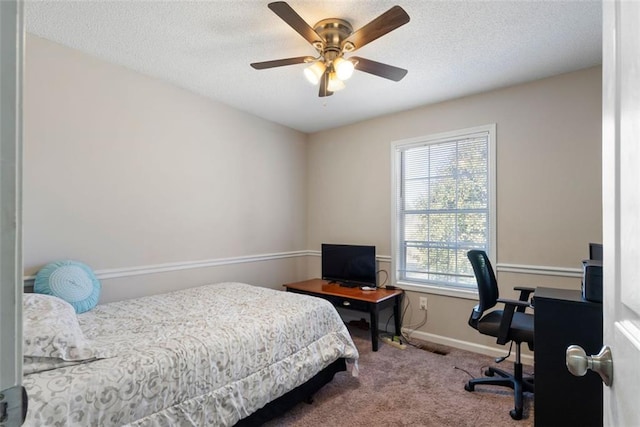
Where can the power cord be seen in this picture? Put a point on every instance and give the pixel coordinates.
(386, 326)
(482, 369)
(406, 335)
(465, 371)
(385, 278)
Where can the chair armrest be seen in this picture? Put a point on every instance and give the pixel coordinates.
(524, 288)
(513, 302)
(524, 295)
(507, 316)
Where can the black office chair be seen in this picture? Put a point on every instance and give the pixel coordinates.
(511, 324)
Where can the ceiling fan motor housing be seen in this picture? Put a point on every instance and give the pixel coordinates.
(333, 32)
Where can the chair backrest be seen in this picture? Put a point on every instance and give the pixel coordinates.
(486, 279)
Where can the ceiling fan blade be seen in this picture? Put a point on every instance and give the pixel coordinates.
(288, 15)
(383, 24)
(324, 83)
(379, 69)
(281, 62)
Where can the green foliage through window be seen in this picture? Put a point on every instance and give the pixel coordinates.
(443, 208)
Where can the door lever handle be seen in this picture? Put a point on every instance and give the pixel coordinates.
(602, 363)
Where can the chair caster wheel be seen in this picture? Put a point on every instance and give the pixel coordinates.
(469, 387)
(515, 414)
(489, 373)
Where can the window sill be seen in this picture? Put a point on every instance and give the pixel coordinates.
(438, 290)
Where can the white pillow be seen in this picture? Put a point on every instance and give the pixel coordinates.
(51, 329)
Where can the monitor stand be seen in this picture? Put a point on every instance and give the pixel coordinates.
(349, 284)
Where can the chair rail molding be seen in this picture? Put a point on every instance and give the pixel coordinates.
(542, 270)
(113, 273)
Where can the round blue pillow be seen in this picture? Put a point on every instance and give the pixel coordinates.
(71, 281)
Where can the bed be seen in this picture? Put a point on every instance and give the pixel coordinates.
(217, 355)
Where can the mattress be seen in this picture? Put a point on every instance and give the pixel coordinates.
(204, 356)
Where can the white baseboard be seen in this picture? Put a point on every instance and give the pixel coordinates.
(527, 359)
(499, 351)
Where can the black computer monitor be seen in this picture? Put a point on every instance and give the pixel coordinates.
(595, 251)
(349, 265)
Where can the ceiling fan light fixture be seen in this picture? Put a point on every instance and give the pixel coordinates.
(344, 68)
(335, 84)
(314, 72)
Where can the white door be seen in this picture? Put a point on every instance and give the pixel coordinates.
(11, 42)
(621, 208)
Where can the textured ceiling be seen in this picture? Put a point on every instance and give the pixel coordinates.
(451, 49)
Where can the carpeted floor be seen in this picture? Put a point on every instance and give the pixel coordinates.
(410, 387)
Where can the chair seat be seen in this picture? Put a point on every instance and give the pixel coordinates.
(521, 326)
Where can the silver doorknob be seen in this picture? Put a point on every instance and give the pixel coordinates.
(578, 363)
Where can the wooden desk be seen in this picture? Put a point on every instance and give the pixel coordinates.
(354, 299)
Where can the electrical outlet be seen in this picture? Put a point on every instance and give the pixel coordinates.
(423, 303)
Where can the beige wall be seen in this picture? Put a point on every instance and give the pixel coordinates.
(548, 190)
(142, 180)
(122, 171)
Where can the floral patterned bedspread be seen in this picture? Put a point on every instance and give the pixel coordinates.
(204, 356)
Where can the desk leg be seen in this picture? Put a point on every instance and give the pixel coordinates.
(373, 310)
(396, 315)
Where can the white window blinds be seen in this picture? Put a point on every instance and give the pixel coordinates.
(443, 208)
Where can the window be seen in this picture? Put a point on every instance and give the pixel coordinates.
(444, 205)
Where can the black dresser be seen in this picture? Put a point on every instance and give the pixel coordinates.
(563, 318)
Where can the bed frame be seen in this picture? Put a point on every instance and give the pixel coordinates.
(302, 393)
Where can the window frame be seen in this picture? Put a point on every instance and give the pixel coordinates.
(397, 147)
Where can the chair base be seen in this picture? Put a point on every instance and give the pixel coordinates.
(516, 381)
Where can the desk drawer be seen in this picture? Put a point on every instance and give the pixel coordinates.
(347, 303)
(337, 301)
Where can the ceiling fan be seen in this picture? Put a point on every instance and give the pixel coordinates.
(333, 38)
